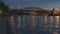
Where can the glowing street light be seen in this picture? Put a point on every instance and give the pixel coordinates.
(34, 13)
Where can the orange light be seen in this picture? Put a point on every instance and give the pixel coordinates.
(55, 12)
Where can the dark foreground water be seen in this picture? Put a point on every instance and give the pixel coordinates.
(25, 24)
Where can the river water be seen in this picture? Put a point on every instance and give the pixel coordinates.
(29, 22)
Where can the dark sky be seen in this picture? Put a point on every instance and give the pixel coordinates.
(38, 3)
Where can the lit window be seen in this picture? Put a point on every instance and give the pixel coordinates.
(55, 12)
(34, 13)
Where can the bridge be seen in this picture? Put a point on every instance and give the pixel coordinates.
(30, 11)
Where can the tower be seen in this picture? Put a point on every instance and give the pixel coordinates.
(53, 9)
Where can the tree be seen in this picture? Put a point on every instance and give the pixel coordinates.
(3, 8)
(5, 20)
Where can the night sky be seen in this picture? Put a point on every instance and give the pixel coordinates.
(37, 3)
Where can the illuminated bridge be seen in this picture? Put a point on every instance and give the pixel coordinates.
(30, 11)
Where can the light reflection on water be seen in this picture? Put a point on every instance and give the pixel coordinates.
(57, 20)
(23, 21)
(43, 21)
(12, 21)
(19, 21)
(51, 20)
(33, 24)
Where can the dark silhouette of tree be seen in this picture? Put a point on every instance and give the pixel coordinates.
(3, 8)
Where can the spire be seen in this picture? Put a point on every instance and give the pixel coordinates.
(53, 9)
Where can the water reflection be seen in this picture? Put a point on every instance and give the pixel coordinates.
(51, 21)
(33, 24)
(23, 22)
(39, 21)
(45, 20)
(12, 21)
(28, 21)
(55, 32)
(3, 24)
(57, 20)
(19, 21)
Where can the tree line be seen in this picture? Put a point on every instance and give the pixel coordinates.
(3, 8)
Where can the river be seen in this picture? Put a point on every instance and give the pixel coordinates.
(46, 23)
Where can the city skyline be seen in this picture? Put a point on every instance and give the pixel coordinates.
(33, 3)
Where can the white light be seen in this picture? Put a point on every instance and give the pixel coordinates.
(46, 9)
